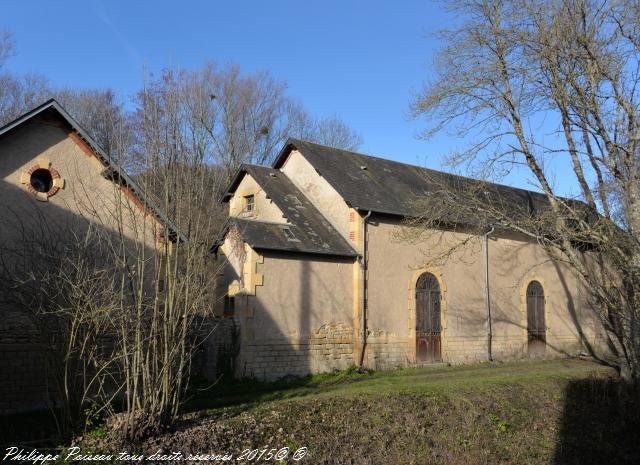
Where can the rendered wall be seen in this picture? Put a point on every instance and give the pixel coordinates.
(299, 320)
(264, 208)
(87, 199)
(395, 262)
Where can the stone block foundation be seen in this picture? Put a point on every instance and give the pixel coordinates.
(327, 349)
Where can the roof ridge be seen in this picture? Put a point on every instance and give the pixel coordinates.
(255, 165)
(423, 168)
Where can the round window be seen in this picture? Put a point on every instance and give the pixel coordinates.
(41, 180)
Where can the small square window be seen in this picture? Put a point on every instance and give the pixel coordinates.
(249, 204)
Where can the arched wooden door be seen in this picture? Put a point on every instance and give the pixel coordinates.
(536, 327)
(428, 326)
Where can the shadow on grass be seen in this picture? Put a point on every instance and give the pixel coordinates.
(229, 392)
(239, 395)
(600, 423)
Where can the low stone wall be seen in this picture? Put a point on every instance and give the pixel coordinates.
(328, 348)
(459, 350)
(331, 347)
(384, 351)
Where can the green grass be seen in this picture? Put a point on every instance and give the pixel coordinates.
(533, 412)
(351, 382)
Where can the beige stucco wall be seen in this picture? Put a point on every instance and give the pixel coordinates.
(87, 198)
(264, 208)
(394, 263)
(321, 194)
(299, 320)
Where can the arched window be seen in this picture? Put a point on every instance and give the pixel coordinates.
(536, 327)
(428, 327)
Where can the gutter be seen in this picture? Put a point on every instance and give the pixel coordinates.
(487, 298)
(363, 268)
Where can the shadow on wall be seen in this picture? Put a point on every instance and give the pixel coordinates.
(575, 327)
(217, 341)
(27, 361)
(578, 319)
(296, 325)
(599, 423)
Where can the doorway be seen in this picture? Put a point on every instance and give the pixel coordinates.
(428, 326)
(536, 327)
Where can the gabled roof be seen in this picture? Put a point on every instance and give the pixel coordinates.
(112, 169)
(385, 186)
(307, 231)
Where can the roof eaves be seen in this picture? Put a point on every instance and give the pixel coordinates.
(122, 176)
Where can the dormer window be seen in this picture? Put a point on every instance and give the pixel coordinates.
(288, 234)
(249, 205)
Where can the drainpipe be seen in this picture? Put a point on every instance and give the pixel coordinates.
(487, 299)
(363, 287)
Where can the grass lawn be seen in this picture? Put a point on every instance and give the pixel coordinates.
(350, 382)
(536, 412)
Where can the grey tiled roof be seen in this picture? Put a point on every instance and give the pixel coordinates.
(385, 186)
(307, 231)
(379, 185)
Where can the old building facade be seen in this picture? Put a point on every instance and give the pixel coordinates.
(320, 274)
(56, 184)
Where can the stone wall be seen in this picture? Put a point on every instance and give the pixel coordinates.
(328, 348)
(24, 384)
(217, 347)
(385, 351)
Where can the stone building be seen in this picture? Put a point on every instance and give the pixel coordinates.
(317, 276)
(55, 183)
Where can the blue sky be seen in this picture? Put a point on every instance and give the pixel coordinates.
(361, 60)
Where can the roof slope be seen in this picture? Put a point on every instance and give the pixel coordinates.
(385, 186)
(308, 231)
(112, 169)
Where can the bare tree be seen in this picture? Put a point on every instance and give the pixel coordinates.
(331, 131)
(20, 94)
(236, 118)
(168, 289)
(6, 46)
(571, 64)
(100, 112)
